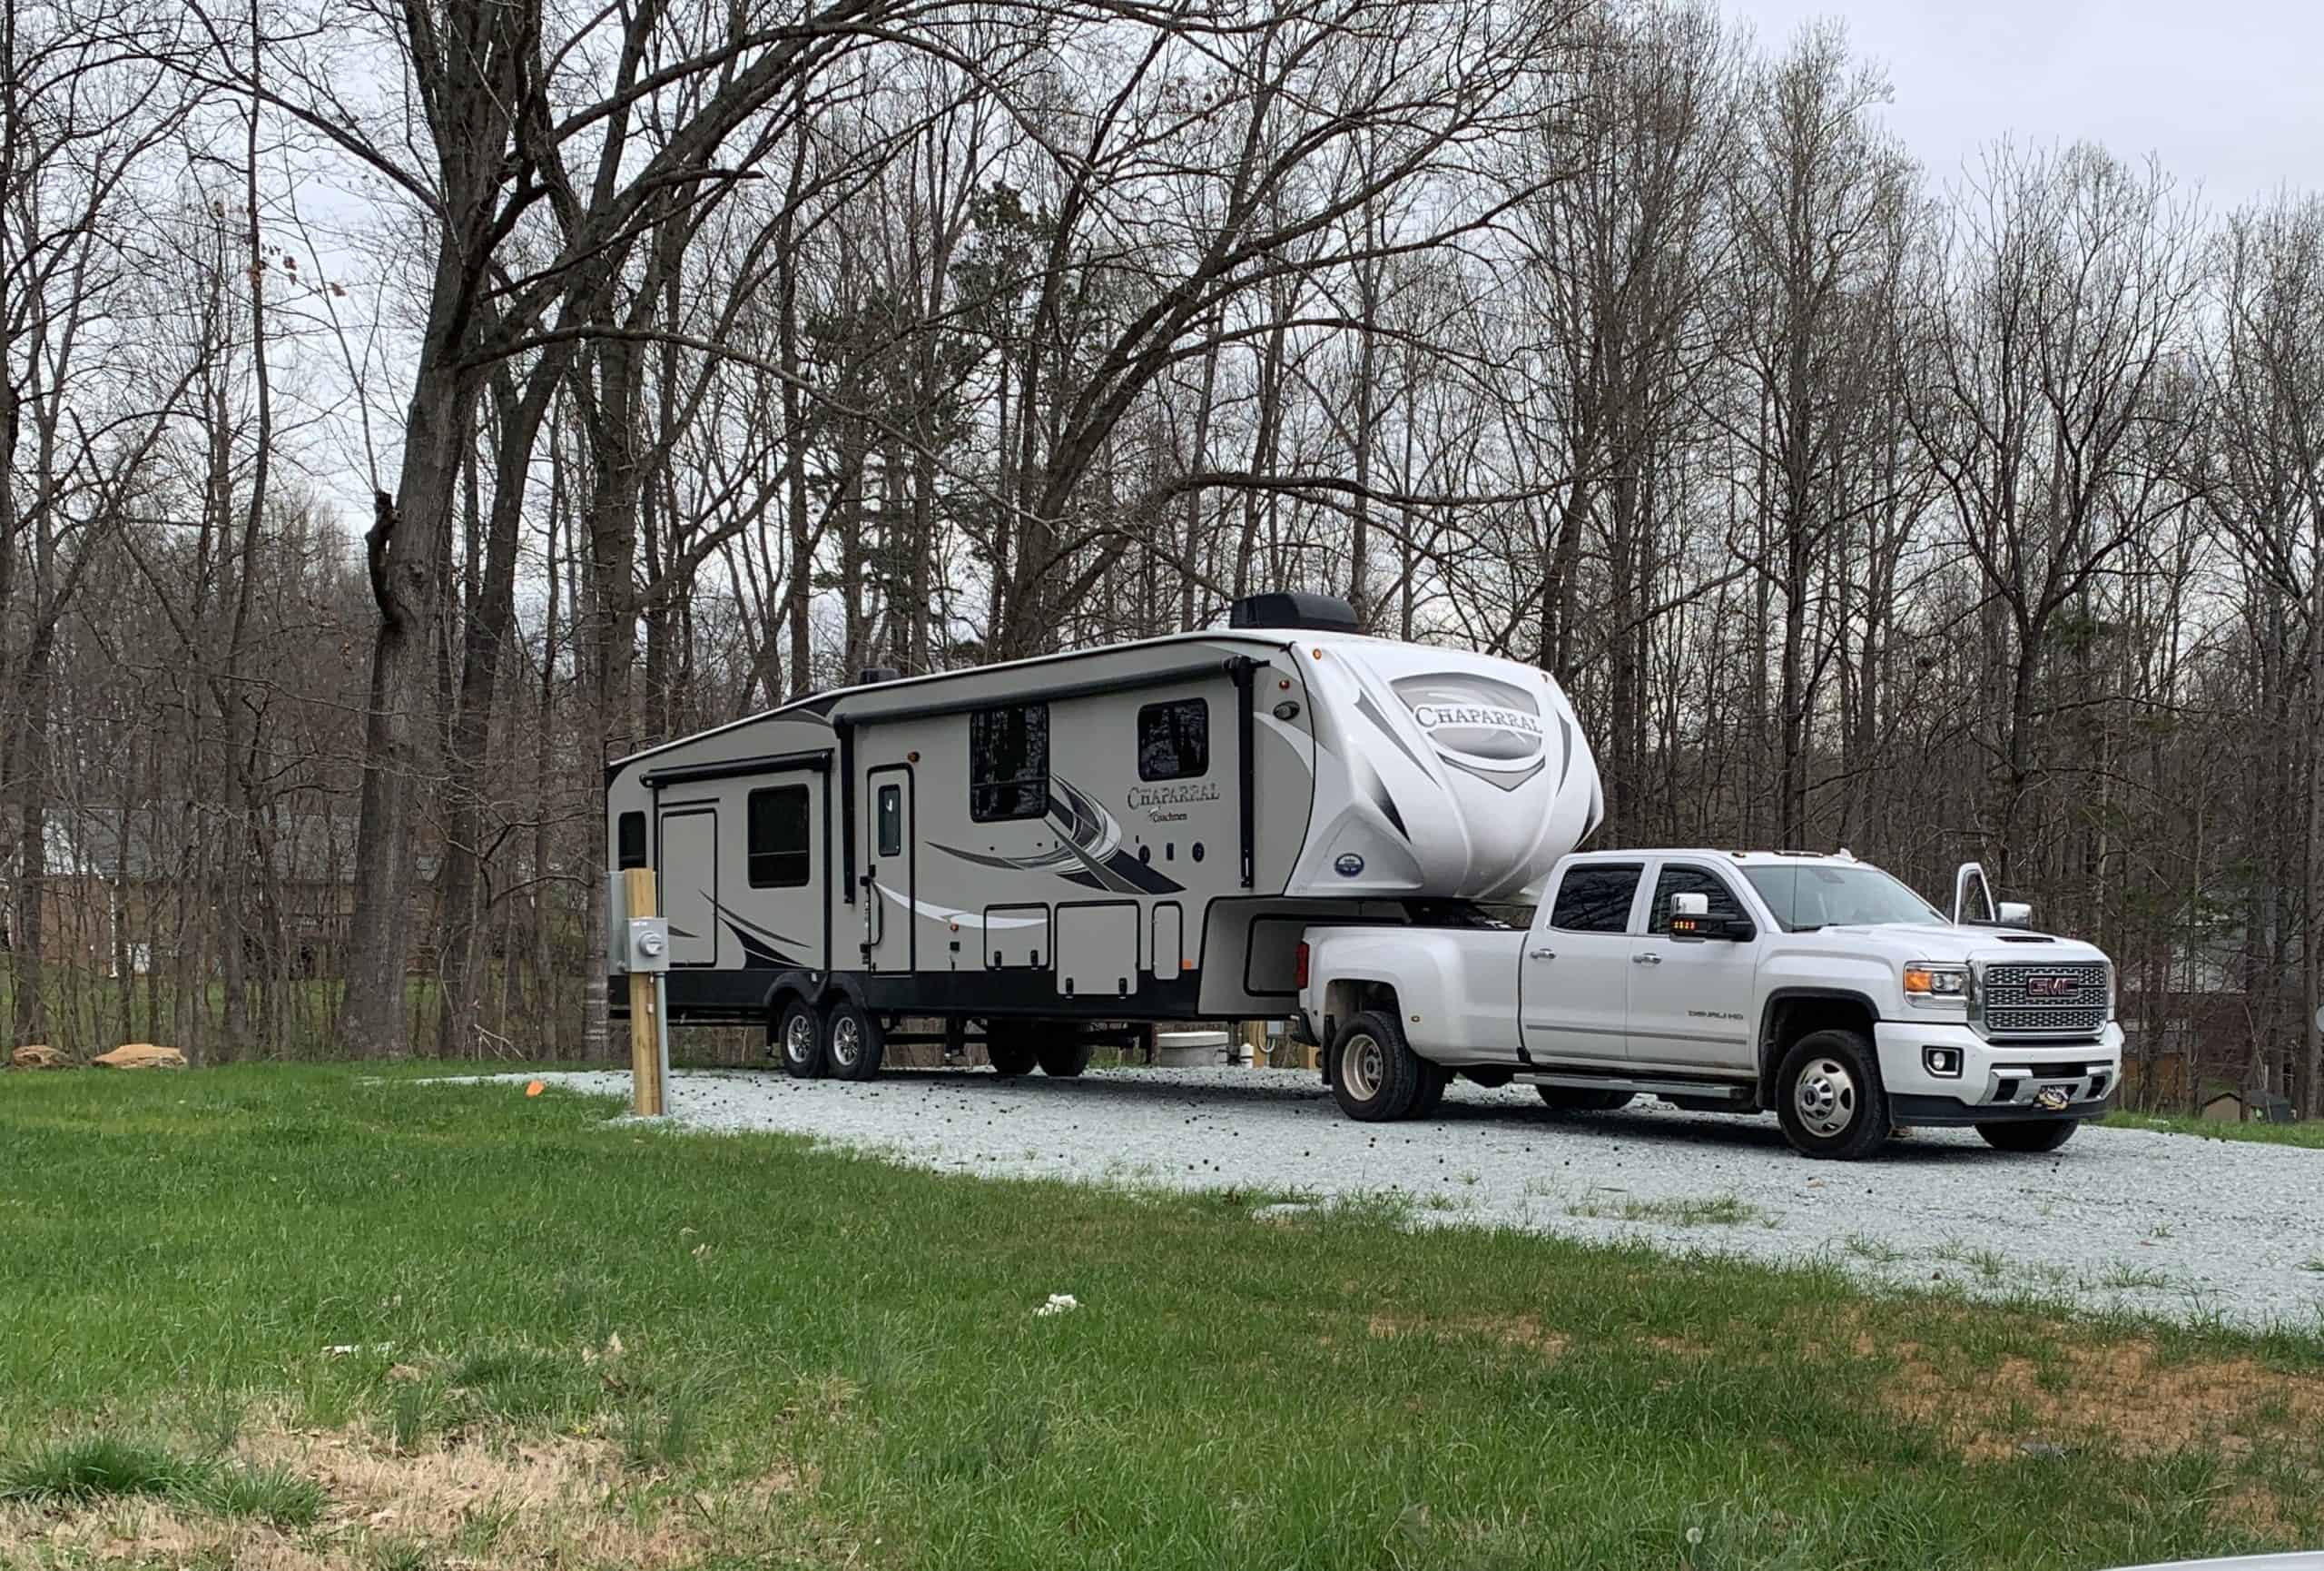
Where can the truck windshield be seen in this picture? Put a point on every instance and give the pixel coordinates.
(1817, 895)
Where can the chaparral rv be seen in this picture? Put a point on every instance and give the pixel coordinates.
(1133, 834)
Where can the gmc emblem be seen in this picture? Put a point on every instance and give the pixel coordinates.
(2051, 985)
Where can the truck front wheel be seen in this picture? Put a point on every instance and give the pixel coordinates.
(2028, 1137)
(1829, 1097)
(1376, 1077)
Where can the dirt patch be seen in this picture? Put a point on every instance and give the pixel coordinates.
(474, 1501)
(2123, 1398)
(1517, 1332)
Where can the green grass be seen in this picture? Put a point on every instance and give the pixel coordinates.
(2309, 1133)
(793, 1357)
(102, 1467)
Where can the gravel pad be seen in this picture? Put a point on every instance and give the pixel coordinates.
(2173, 1225)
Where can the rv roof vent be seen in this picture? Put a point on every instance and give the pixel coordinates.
(1293, 608)
(872, 676)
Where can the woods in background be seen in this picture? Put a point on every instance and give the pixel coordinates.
(404, 408)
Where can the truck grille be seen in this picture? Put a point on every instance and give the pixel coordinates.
(2065, 998)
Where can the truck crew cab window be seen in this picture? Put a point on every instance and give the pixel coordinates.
(630, 829)
(1174, 740)
(1596, 898)
(1009, 763)
(1681, 879)
(778, 837)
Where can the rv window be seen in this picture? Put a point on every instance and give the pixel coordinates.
(1174, 740)
(1596, 897)
(778, 818)
(631, 827)
(1009, 763)
(892, 821)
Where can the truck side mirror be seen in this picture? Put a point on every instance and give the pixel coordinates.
(1690, 918)
(2014, 913)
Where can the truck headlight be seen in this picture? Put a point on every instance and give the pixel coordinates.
(1927, 981)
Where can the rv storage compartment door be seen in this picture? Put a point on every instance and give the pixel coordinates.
(689, 880)
(1097, 948)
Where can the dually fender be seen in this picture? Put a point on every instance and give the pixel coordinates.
(1424, 970)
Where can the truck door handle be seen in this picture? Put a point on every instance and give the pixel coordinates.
(1646, 958)
(1542, 953)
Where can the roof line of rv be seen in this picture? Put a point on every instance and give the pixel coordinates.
(830, 698)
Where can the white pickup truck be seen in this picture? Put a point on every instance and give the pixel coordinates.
(1817, 987)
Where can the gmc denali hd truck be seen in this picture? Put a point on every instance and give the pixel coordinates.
(1817, 987)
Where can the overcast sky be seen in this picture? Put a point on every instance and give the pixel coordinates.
(2229, 94)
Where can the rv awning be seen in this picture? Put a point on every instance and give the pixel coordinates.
(868, 707)
(818, 759)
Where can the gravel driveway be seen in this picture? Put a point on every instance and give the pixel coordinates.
(2165, 1224)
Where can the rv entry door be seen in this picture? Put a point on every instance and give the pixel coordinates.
(890, 863)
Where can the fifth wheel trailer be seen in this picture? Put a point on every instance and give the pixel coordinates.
(1132, 833)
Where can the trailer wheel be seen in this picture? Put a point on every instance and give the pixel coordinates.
(853, 1042)
(1063, 1054)
(1008, 1058)
(1376, 1077)
(2028, 1137)
(799, 1039)
(1829, 1097)
(1580, 1099)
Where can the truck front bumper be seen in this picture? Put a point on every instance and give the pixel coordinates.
(1992, 1082)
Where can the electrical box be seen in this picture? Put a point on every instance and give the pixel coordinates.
(648, 941)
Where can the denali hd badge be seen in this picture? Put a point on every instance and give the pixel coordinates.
(1349, 864)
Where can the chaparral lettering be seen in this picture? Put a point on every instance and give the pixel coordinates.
(1143, 796)
(1432, 716)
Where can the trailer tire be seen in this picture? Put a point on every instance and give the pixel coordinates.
(1829, 1098)
(1580, 1099)
(1008, 1058)
(1375, 1074)
(799, 1039)
(1063, 1054)
(853, 1043)
(2028, 1137)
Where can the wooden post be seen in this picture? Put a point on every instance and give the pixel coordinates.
(644, 1010)
(1255, 1037)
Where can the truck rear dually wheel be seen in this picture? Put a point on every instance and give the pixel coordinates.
(2028, 1137)
(1434, 1078)
(799, 1039)
(1376, 1078)
(1829, 1097)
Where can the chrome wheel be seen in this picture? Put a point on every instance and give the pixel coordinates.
(1364, 1066)
(847, 1040)
(799, 1037)
(1825, 1096)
